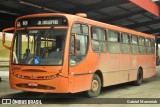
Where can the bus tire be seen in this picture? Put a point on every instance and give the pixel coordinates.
(139, 80)
(95, 86)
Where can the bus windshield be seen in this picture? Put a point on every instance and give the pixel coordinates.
(39, 46)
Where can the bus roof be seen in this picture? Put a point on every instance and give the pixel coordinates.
(90, 22)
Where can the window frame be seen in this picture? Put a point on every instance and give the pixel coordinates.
(131, 38)
(142, 45)
(116, 42)
(149, 41)
(98, 40)
(153, 45)
(148, 46)
(128, 38)
(139, 41)
(132, 44)
(129, 42)
(119, 34)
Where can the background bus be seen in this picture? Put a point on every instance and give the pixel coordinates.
(62, 53)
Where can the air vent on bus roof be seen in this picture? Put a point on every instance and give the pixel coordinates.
(81, 14)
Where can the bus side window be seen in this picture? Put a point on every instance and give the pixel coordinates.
(134, 44)
(153, 46)
(142, 48)
(148, 46)
(99, 43)
(114, 41)
(125, 38)
(125, 43)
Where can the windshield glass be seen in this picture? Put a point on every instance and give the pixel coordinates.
(39, 47)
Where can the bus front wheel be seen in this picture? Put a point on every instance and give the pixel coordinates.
(139, 80)
(95, 86)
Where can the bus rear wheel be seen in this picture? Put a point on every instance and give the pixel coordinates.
(95, 86)
(139, 80)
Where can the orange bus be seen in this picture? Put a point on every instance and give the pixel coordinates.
(62, 53)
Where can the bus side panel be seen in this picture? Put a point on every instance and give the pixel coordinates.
(150, 68)
(113, 62)
(81, 83)
(146, 62)
(125, 66)
(112, 65)
(82, 73)
(149, 72)
(143, 61)
(133, 75)
(134, 67)
(112, 78)
(114, 72)
(78, 83)
(63, 85)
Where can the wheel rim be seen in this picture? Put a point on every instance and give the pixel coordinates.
(95, 85)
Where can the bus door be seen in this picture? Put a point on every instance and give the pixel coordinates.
(78, 64)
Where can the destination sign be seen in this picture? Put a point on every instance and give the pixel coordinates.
(45, 21)
(48, 22)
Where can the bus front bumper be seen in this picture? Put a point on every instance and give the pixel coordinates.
(56, 85)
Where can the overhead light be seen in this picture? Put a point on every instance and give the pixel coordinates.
(37, 6)
(8, 12)
(51, 10)
(30, 4)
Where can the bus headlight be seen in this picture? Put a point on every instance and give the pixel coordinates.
(52, 77)
(47, 77)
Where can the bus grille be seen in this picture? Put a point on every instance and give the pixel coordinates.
(36, 87)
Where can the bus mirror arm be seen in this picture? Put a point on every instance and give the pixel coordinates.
(3, 41)
(75, 45)
(4, 37)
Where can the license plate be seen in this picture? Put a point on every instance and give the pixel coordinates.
(33, 84)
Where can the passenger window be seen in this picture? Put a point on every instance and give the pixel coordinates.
(142, 48)
(125, 43)
(134, 44)
(98, 39)
(153, 45)
(148, 46)
(125, 38)
(114, 42)
(141, 41)
(148, 42)
(134, 39)
(113, 36)
(78, 43)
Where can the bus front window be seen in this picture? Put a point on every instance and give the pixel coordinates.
(39, 47)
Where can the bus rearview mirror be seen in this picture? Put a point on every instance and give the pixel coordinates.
(4, 36)
(76, 44)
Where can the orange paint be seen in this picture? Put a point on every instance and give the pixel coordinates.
(148, 5)
(115, 68)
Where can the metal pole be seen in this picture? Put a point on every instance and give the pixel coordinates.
(157, 53)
